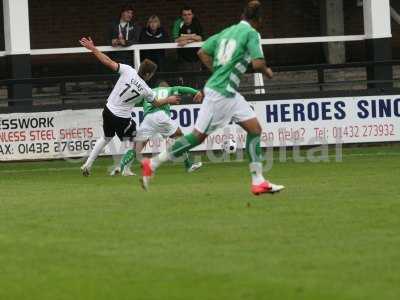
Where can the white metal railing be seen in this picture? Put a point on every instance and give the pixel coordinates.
(137, 48)
(134, 48)
(258, 78)
(314, 39)
(395, 15)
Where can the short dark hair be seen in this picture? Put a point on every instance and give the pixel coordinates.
(127, 7)
(252, 11)
(186, 7)
(147, 67)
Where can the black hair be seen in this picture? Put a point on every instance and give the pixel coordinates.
(186, 7)
(252, 11)
(126, 7)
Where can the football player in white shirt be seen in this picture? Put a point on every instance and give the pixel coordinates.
(130, 89)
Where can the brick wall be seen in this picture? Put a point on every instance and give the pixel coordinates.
(354, 24)
(61, 23)
(396, 32)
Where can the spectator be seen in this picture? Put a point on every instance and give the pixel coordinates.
(190, 31)
(123, 33)
(154, 33)
(176, 27)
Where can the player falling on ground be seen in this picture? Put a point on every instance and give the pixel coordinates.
(227, 54)
(130, 89)
(157, 120)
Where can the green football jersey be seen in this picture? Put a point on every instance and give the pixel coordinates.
(232, 50)
(164, 92)
(176, 27)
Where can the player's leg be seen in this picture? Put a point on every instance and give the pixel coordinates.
(127, 132)
(131, 155)
(138, 147)
(246, 118)
(129, 144)
(167, 128)
(142, 135)
(147, 129)
(109, 132)
(191, 140)
(181, 146)
(190, 166)
(128, 158)
(253, 149)
(97, 149)
(212, 115)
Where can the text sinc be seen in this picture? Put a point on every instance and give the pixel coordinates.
(328, 110)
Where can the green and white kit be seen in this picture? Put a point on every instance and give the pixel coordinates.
(157, 120)
(232, 50)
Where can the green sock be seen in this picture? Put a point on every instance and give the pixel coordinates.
(183, 145)
(128, 157)
(253, 147)
(188, 162)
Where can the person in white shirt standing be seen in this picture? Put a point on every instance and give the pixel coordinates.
(124, 32)
(130, 89)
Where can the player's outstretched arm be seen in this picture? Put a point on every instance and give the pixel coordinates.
(259, 65)
(169, 100)
(104, 59)
(185, 90)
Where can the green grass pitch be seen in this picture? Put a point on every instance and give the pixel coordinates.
(333, 234)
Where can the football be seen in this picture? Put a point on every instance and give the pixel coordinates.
(229, 146)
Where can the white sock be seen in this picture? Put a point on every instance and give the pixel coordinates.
(160, 159)
(256, 173)
(98, 147)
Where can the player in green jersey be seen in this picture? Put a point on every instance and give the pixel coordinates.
(157, 121)
(227, 54)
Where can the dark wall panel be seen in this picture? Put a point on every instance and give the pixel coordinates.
(1, 27)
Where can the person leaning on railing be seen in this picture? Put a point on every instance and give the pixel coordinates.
(124, 32)
(154, 33)
(190, 31)
(176, 27)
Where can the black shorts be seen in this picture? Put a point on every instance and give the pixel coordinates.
(124, 128)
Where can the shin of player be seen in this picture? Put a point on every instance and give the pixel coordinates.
(132, 154)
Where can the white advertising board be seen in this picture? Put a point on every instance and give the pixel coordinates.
(73, 133)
